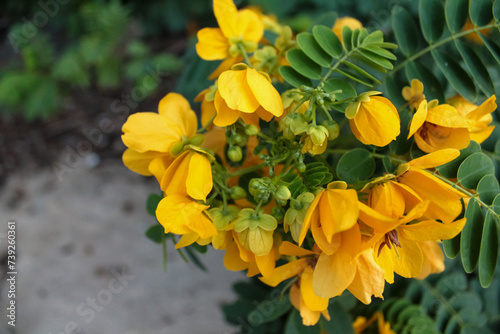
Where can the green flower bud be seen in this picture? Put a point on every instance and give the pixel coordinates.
(251, 130)
(301, 167)
(197, 140)
(235, 154)
(177, 149)
(237, 138)
(278, 213)
(238, 193)
(318, 134)
(333, 129)
(283, 193)
(221, 218)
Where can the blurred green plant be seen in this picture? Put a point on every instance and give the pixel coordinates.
(103, 52)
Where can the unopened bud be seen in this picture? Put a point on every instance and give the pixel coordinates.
(177, 148)
(238, 193)
(251, 130)
(197, 140)
(333, 129)
(301, 167)
(318, 134)
(283, 193)
(235, 154)
(277, 213)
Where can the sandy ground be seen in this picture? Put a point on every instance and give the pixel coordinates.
(84, 265)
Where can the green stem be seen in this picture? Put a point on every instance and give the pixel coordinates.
(438, 44)
(244, 53)
(164, 250)
(247, 170)
(449, 308)
(204, 127)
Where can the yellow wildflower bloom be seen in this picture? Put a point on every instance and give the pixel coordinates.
(237, 29)
(333, 210)
(150, 137)
(341, 22)
(302, 294)
(190, 174)
(246, 93)
(444, 126)
(255, 230)
(481, 115)
(444, 200)
(361, 323)
(414, 94)
(181, 215)
(374, 120)
(316, 139)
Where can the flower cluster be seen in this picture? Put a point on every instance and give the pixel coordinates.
(256, 179)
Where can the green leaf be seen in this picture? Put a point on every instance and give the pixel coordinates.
(270, 310)
(481, 11)
(361, 71)
(152, 203)
(393, 89)
(303, 64)
(155, 233)
(340, 320)
(405, 30)
(347, 37)
(356, 165)
(488, 188)
(328, 40)
(488, 255)
(474, 168)
(432, 21)
(456, 12)
(471, 236)
(451, 246)
(354, 77)
(456, 75)
(379, 51)
(293, 77)
(490, 45)
(376, 59)
(450, 169)
(496, 10)
(432, 86)
(42, 101)
(408, 312)
(333, 84)
(396, 308)
(313, 50)
(476, 67)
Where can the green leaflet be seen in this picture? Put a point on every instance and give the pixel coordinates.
(432, 86)
(328, 41)
(488, 255)
(473, 169)
(303, 64)
(356, 165)
(405, 30)
(481, 12)
(456, 13)
(450, 169)
(432, 19)
(471, 236)
(293, 77)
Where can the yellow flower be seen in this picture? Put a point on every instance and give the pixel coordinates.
(397, 241)
(374, 120)
(190, 174)
(296, 214)
(361, 323)
(238, 29)
(316, 139)
(255, 230)
(342, 22)
(414, 94)
(181, 215)
(481, 115)
(440, 127)
(302, 293)
(246, 93)
(206, 97)
(150, 137)
(333, 210)
(444, 200)
(433, 259)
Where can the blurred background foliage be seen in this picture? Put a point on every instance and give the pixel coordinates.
(53, 47)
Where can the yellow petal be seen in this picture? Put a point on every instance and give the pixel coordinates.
(225, 65)
(387, 199)
(174, 179)
(312, 301)
(252, 118)
(199, 179)
(334, 273)
(171, 213)
(264, 92)
(260, 241)
(147, 131)
(484, 109)
(138, 161)
(435, 159)
(379, 222)
(431, 230)
(226, 14)
(177, 110)
(234, 89)
(201, 224)
(309, 317)
(187, 239)
(266, 263)
(385, 260)
(249, 26)
(212, 45)
(328, 247)
(159, 166)
(287, 248)
(338, 211)
(418, 118)
(481, 136)
(447, 116)
(232, 259)
(369, 279)
(225, 115)
(308, 219)
(441, 138)
(284, 272)
(409, 262)
(433, 259)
